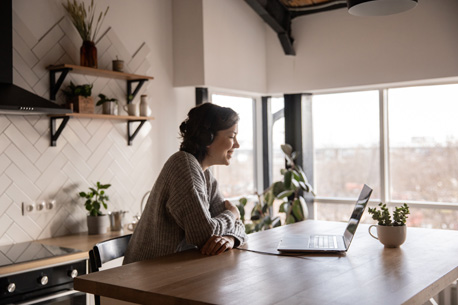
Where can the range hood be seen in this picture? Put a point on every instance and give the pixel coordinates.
(14, 99)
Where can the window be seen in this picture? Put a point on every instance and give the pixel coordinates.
(346, 143)
(419, 152)
(424, 143)
(239, 178)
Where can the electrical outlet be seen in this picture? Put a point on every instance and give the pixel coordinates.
(38, 207)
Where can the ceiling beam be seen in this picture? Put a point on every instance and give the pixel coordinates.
(278, 18)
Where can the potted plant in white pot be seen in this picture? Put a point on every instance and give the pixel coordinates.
(109, 105)
(96, 198)
(391, 229)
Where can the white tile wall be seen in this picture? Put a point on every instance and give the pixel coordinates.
(87, 151)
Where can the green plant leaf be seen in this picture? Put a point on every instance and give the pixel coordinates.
(290, 219)
(297, 210)
(287, 180)
(284, 194)
(277, 188)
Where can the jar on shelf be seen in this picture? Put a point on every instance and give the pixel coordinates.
(144, 108)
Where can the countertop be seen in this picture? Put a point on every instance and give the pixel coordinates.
(80, 241)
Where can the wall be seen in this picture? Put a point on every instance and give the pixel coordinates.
(88, 150)
(336, 50)
(219, 44)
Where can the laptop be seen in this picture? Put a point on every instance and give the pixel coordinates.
(328, 243)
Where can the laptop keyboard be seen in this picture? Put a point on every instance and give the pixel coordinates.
(323, 241)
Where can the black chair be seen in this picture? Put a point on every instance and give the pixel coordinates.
(106, 251)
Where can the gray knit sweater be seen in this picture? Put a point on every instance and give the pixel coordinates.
(183, 210)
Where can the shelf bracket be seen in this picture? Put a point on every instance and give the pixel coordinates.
(131, 136)
(131, 95)
(55, 85)
(56, 133)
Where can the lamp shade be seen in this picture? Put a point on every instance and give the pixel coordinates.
(379, 7)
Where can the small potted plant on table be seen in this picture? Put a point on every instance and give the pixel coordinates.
(391, 230)
(96, 198)
(108, 104)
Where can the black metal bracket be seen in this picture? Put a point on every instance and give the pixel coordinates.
(131, 136)
(55, 133)
(131, 95)
(55, 85)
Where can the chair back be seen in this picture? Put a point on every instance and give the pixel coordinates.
(108, 250)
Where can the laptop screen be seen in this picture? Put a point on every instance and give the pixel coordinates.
(356, 215)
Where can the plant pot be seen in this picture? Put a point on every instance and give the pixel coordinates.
(88, 54)
(97, 224)
(109, 108)
(390, 236)
(81, 104)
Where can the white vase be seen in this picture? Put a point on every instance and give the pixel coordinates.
(97, 224)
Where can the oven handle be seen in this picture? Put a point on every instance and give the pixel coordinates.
(49, 297)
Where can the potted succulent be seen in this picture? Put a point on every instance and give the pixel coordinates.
(79, 98)
(96, 198)
(108, 104)
(391, 229)
(290, 191)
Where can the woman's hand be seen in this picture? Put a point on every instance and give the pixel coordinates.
(231, 207)
(217, 244)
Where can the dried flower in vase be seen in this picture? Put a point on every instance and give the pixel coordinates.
(83, 19)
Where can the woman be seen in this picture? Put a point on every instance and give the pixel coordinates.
(185, 208)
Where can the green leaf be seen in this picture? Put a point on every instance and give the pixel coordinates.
(290, 219)
(277, 188)
(287, 179)
(297, 210)
(243, 201)
(284, 194)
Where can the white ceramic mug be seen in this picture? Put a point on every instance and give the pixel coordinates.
(132, 109)
(390, 236)
(131, 226)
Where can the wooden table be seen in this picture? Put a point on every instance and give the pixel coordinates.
(367, 274)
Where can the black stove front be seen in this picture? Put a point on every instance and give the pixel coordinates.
(47, 285)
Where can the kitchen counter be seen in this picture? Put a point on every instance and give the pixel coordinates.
(80, 241)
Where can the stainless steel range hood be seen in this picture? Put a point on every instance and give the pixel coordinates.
(14, 99)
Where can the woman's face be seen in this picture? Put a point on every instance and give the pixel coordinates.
(221, 150)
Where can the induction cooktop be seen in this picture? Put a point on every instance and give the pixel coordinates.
(30, 251)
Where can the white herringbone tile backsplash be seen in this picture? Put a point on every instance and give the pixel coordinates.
(87, 151)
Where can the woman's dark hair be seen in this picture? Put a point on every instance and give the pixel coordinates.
(201, 126)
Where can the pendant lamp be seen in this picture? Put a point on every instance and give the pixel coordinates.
(379, 7)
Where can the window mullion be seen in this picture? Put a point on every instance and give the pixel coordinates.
(384, 147)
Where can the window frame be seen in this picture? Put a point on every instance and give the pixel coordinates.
(257, 135)
(384, 154)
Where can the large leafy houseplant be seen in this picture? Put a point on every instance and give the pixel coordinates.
(290, 190)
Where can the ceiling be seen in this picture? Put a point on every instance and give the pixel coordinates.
(279, 13)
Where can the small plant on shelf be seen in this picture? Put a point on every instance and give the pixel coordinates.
(79, 98)
(384, 218)
(108, 104)
(73, 90)
(96, 198)
(104, 99)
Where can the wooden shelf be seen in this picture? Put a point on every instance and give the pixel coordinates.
(102, 116)
(131, 79)
(131, 133)
(98, 72)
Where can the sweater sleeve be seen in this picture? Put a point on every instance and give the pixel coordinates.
(217, 206)
(189, 204)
